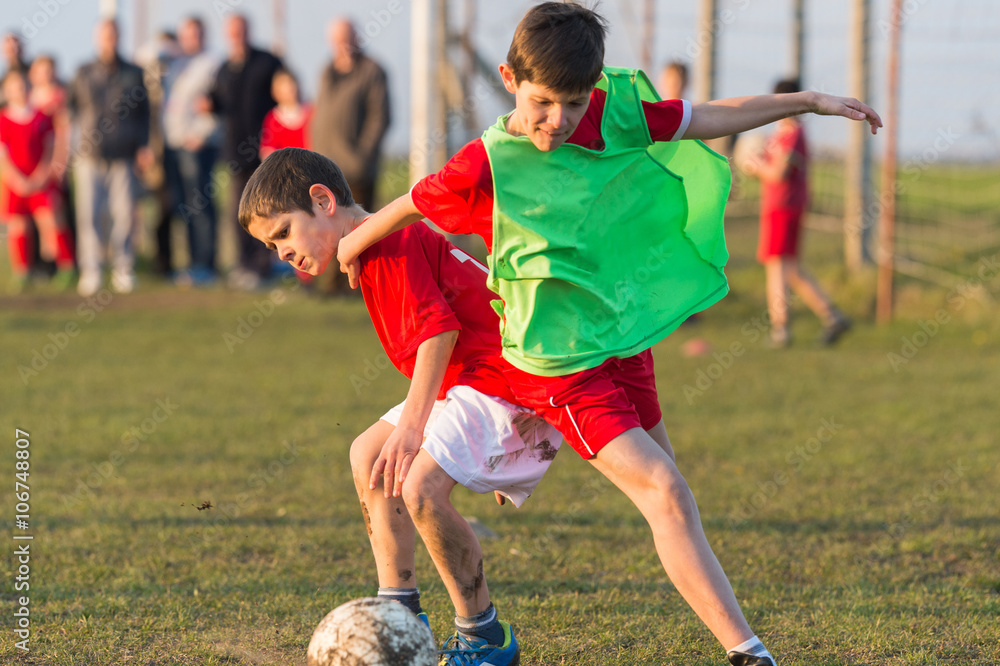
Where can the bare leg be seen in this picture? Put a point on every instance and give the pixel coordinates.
(643, 470)
(390, 529)
(449, 539)
(659, 435)
(809, 290)
(777, 294)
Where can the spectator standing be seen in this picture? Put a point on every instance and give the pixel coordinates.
(48, 95)
(350, 121)
(110, 107)
(13, 57)
(155, 59)
(192, 149)
(286, 125)
(352, 112)
(242, 97)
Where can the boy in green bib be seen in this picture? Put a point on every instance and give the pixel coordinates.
(605, 233)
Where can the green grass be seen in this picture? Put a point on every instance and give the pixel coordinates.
(876, 541)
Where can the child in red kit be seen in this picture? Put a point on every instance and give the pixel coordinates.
(784, 192)
(286, 126)
(458, 425)
(27, 188)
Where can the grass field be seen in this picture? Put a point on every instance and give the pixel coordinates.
(851, 494)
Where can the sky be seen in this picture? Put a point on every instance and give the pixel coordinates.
(950, 82)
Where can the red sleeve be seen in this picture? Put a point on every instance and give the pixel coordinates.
(403, 298)
(664, 118)
(459, 197)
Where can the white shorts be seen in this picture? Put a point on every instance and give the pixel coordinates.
(486, 443)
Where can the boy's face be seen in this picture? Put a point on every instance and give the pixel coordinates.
(546, 116)
(306, 242)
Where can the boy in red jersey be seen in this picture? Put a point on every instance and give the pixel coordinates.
(431, 310)
(784, 192)
(530, 188)
(29, 189)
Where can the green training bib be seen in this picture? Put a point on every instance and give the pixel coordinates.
(600, 254)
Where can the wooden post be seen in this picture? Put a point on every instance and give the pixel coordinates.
(887, 221)
(705, 83)
(279, 41)
(798, 41)
(648, 37)
(424, 99)
(858, 186)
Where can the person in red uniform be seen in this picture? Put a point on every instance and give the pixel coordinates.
(286, 125)
(431, 310)
(28, 188)
(553, 65)
(784, 192)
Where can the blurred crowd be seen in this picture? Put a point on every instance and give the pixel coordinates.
(157, 143)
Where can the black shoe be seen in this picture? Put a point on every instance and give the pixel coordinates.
(744, 659)
(832, 332)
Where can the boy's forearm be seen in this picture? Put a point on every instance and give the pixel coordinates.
(433, 356)
(395, 216)
(723, 117)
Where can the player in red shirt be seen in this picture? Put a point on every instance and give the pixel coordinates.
(784, 192)
(28, 189)
(553, 66)
(431, 309)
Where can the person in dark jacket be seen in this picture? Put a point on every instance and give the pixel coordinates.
(109, 104)
(352, 112)
(350, 119)
(242, 97)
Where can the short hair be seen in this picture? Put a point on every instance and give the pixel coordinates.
(11, 73)
(787, 86)
(559, 45)
(281, 184)
(680, 67)
(195, 20)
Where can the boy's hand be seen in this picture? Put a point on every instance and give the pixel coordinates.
(393, 463)
(848, 107)
(347, 255)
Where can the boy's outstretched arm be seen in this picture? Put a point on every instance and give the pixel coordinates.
(723, 117)
(401, 448)
(395, 216)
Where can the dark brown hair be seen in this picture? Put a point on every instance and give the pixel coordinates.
(281, 184)
(559, 45)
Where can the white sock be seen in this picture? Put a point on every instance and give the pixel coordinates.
(754, 647)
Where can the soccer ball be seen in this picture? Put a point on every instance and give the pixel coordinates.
(372, 632)
(749, 151)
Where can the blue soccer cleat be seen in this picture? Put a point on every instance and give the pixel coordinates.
(470, 652)
(423, 618)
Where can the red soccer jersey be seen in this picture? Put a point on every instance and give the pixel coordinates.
(791, 193)
(417, 285)
(276, 135)
(25, 141)
(459, 197)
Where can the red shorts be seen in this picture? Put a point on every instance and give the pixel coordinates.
(779, 234)
(15, 204)
(592, 407)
